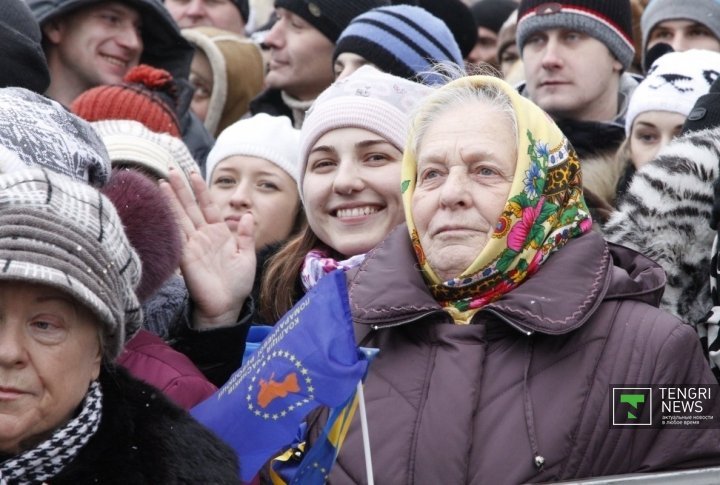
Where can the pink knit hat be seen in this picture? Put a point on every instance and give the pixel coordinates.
(367, 99)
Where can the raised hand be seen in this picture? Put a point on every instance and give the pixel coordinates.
(217, 264)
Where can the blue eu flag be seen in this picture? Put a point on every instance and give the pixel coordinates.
(309, 359)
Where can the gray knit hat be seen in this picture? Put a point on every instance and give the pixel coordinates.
(705, 12)
(609, 21)
(38, 132)
(63, 233)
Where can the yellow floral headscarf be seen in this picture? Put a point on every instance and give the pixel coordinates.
(545, 208)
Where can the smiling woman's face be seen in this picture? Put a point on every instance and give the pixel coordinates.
(351, 190)
(465, 167)
(241, 184)
(49, 355)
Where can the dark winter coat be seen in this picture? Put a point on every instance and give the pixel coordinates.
(145, 439)
(270, 101)
(529, 377)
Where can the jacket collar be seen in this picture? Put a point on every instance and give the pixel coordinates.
(388, 289)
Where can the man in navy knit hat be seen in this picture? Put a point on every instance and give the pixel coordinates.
(231, 15)
(301, 47)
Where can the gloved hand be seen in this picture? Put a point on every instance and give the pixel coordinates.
(706, 112)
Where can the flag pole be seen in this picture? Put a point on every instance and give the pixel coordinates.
(365, 435)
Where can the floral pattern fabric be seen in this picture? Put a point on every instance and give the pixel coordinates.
(544, 210)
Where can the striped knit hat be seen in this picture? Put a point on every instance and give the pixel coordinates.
(402, 40)
(330, 17)
(63, 233)
(609, 21)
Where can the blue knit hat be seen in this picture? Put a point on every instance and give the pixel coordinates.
(402, 40)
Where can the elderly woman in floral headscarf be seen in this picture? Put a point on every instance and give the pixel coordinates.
(502, 320)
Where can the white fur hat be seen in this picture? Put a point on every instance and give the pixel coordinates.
(271, 138)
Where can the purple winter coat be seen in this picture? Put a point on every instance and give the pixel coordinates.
(153, 361)
(529, 377)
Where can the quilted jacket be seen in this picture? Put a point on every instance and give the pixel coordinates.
(522, 394)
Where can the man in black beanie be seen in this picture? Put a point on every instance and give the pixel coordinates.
(301, 46)
(23, 62)
(231, 15)
(575, 55)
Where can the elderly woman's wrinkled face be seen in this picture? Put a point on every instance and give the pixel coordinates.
(465, 166)
(49, 354)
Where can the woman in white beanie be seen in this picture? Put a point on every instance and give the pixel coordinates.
(253, 167)
(660, 104)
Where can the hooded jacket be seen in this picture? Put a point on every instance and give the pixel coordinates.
(522, 393)
(163, 47)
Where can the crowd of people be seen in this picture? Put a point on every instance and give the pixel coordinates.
(522, 197)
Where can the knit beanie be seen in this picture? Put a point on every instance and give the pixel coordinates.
(238, 73)
(492, 14)
(130, 143)
(705, 12)
(147, 95)
(330, 17)
(674, 83)
(458, 17)
(610, 22)
(367, 99)
(63, 233)
(36, 131)
(271, 138)
(402, 40)
(23, 63)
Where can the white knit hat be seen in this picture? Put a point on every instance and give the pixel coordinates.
(271, 138)
(129, 142)
(673, 83)
(367, 99)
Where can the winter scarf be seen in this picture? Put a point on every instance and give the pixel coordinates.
(545, 209)
(48, 458)
(317, 264)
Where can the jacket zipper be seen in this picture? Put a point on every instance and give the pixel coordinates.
(404, 322)
(517, 327)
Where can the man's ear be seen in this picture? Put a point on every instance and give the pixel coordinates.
(53, 31)
(617, 66)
